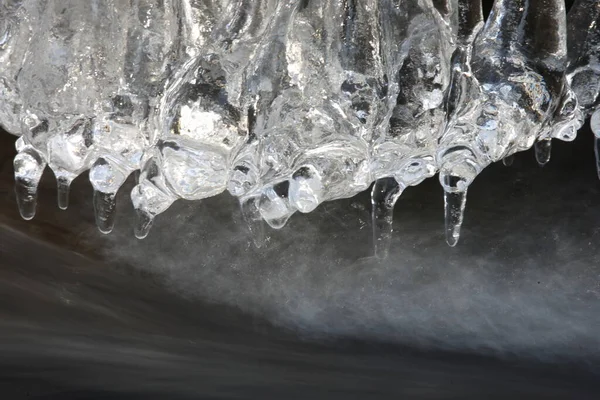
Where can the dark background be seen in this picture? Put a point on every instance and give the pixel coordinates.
(195, 311)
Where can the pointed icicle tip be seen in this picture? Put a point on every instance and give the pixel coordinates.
(104, 210)
(455, 178)
(253, 219)
(597, 153)
(29, 167)
(543, 151)
(384, 196)
(63, 186)
(143, 223)
(106, 179)
(454, 208)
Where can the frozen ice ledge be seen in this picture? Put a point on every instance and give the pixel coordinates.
(289, 103)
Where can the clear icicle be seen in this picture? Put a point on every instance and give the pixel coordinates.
(595, 126)
(595, 122)
(456, 178)
(543, 151)
(104, 210)
(29, 166)
(254, 221)
(384, 195)
(143, 223)
(597, 153)
(454, 208)
(508, 160)
(63, 186)
(106, 178)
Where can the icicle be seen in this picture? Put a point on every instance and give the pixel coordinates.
(595, 126)
(29, 166)
(143, 218)
(104, 210)
(384, 195)
(106, 179)
(597, 153)
(63, 185)
(275, 207)
(456, 177)
(454, 208)
(254, 221)
(143, 223)
(543, 150)
(595, 122)
(508, 160)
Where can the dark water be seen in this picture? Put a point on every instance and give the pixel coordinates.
(195, 311)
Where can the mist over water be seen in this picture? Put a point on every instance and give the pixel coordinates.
(182, 313)
(524, 282)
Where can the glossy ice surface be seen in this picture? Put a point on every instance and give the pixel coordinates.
(288, 104)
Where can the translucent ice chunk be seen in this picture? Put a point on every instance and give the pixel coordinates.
(125, 127)
(361, 73)
(200, 123)
(584, 57)
(302, 131)
(19, 20)
(306, 189)
(288, 104)
(274, 205)
(265, 78)
(508, 91)
(417, 48)
(103, 66)
(584, 52)
(199, 133)
(329, 172)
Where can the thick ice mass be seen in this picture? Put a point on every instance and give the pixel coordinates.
(288, 104)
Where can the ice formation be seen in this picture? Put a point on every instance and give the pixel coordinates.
(509, 93)
(584, 56)
(287, 104)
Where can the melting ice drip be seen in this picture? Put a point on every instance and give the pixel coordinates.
(289, 103)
